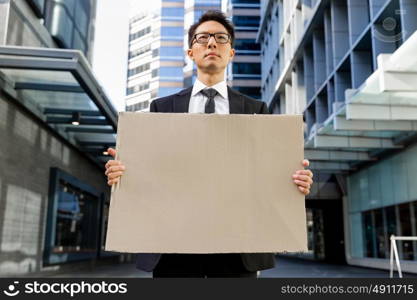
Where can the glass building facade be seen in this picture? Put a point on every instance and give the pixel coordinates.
(53, 196)
(244, 72)
(347, 66)
(156, 57)
(383, 201)
(68, 22)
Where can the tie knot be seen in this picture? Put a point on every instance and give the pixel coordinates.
(209, 93)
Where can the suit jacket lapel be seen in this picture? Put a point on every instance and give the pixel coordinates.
(182, 101)
(236, 104)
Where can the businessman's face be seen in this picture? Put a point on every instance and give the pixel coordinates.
(211, 56)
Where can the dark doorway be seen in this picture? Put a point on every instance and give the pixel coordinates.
(327, 230)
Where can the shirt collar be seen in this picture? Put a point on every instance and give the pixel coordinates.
(220, 87)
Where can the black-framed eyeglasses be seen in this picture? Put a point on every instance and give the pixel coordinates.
(220, 37)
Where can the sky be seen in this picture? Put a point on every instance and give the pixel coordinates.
(111, 44)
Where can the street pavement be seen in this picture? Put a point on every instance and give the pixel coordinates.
(286, 267)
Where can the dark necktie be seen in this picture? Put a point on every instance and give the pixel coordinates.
(210, 94)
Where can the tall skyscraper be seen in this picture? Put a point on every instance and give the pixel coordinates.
(244, 73)
(156, 58)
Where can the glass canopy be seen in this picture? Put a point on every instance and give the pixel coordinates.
(379, 117)
(59, 87)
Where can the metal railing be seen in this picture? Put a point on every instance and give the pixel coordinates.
(394, 253)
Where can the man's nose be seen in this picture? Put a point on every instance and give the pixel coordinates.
(211, 42)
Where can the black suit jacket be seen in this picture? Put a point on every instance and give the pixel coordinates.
(238, 104)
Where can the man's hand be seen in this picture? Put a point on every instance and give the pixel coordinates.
(303, 178)
(114, 168)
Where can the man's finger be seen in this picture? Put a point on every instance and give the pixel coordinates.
(302, 183)
(114, 168)
(112, 181)
(305, 178)
(114, 175)
(305, 172)
(112, 162)
(304, 190)
(112, 152)
(306, 163)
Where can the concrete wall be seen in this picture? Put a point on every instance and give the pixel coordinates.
(27, 152)
(28, 149)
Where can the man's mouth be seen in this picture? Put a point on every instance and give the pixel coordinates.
(212, 54)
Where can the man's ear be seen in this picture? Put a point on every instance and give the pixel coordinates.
(190, 54)
(232, 53)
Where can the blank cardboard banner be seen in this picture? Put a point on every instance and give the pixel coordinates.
(208, 183)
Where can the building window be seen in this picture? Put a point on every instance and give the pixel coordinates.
(139, 51)
(139, 69)
(247, 44)
(404, 214)
(379, 224)
(381, 238)
(247, 68)
(155, 52)
(369, 234)
(155, 73)
(62, 26)
(145, 105)
(68, 22)
(140, 33)
(137, 88)
(138, 106)
(74, 227)
(246, 21)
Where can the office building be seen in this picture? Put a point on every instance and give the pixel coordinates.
(55, 124)
(156, 58)
(244, 72)
(349, 67)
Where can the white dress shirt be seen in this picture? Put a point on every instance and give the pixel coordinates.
(198, 100)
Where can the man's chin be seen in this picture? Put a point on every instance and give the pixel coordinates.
(212, 67)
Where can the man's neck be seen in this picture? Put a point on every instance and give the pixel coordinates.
(210, 79)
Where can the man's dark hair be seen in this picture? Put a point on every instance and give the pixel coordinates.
(212, 15)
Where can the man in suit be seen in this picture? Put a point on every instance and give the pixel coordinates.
(211, 48)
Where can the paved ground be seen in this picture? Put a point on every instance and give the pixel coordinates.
(296, 267)
(285, 267)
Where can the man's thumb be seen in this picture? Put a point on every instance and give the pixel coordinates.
(112, 152)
